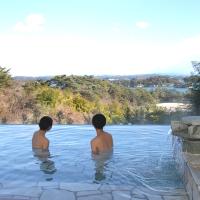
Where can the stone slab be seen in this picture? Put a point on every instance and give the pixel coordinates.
(138, 196)
(191, 120)
(178, 126)
(20, 197)
(88, 193)
(57, 195)
(121, 195)
(97, 197)
(106, 187)
(14, 198)
(154, 197)
(29, 192)
(194, 131)
(77, 187)
(175, 198)
(14, 184)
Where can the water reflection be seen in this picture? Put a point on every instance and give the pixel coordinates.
(46, 165)
(101, 164)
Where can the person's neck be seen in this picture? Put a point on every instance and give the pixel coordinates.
(42, 132)
(99, 131)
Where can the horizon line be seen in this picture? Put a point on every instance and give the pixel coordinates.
(95, 75)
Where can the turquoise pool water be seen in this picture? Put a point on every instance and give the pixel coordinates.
(142, 155)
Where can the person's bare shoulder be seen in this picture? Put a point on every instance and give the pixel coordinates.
(35, 140)
(94, 145)
(34, 137)
(93, 141)
(109, 137)
(45, 143)
(108, 134)
(35, 133)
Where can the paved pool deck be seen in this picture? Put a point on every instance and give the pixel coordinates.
(83, 191)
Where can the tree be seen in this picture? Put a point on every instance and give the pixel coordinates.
(48, 97)
(81, 104)
(5, 77)
(196, 88)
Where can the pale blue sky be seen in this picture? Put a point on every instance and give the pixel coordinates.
(48, 37)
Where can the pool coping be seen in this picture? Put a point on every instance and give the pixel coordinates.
(18, 190)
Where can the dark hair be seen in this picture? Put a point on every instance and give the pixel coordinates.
(99, 121)
(45, 123)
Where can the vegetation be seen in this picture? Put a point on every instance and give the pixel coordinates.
(75, 99)
(194, 82)
(153, 81)
(5, 77)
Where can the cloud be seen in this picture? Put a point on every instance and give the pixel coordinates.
(142, 24)
(32, 23)
(65, 54)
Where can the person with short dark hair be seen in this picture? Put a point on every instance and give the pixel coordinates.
(40, 145)
(39, 141)
(103, 142)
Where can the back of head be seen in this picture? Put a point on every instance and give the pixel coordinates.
(45, 123)
(99, 121)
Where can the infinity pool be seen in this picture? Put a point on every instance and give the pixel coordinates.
(142, 156)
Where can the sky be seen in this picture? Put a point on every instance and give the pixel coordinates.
(99, 37)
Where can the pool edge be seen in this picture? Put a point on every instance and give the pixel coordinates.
(191, 177)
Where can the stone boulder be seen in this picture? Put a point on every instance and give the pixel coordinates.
(188, 127)
(191, 120)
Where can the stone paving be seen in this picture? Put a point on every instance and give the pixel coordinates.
(83, 191)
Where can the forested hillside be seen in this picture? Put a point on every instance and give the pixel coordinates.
(74, 99)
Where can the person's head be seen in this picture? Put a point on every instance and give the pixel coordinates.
(45, 123)
(99, 121)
